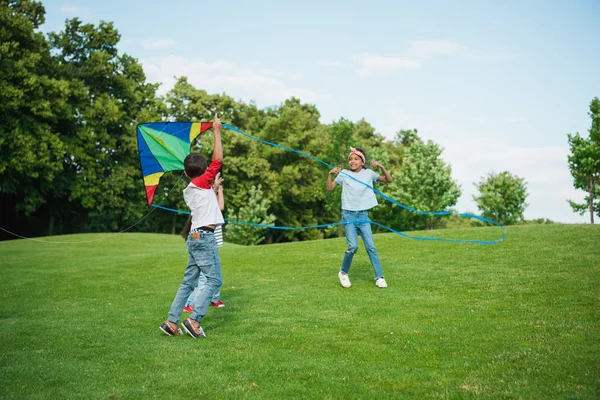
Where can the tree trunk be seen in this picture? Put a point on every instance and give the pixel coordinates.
(84, 223)
(591, 199)
(51, 225)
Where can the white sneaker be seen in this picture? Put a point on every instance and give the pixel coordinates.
(381, 283)
(344, 280)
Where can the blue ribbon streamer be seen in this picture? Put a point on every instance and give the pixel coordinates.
(437, 213)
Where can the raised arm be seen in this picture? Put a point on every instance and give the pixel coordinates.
(220, 198)
(218, 149)
(331, 184)
(218, 188)
(386, 175)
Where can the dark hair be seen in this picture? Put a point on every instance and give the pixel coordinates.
(364, 154)
(194, 164)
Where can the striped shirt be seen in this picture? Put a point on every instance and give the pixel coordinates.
(219, 235)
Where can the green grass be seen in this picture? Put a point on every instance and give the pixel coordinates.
(518, 319)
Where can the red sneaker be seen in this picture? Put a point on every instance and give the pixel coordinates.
(189, 308)
(217, 303)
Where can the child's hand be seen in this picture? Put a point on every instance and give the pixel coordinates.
(336, 170)
(217, 182)
(375, 164)
(217, 122)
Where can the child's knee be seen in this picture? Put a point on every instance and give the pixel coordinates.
(214, 281)
(352, 249)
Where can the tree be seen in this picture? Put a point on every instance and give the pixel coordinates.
(31, 101)
(425, 183)
(255, 211)
(502, 197)
(108, 97)
(584, 164)
(297, 196)
(407, 137)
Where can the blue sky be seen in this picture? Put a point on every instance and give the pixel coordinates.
(497, 84)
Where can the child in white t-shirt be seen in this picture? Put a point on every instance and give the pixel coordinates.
(357, 199)
(216, 298)
(203, 255)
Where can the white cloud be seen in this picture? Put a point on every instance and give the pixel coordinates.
(265, 86)
(331, 64)
(159, 44)
(424, 48)
(272, 73)
(75, 11)
(374, 65)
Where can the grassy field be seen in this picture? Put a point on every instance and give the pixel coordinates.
(515, 320)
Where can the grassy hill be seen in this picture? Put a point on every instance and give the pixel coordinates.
(517, 319)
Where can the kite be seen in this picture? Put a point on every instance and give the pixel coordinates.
(163, 146)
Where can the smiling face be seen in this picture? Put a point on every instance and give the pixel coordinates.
(355, 162)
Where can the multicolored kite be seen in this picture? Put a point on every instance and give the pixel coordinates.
(162, 147)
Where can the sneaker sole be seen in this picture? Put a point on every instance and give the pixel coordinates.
(166, 332)
(191, 333)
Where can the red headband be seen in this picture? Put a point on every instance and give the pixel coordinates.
(358, 153)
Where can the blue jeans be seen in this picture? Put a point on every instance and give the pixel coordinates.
(203, 257)
(199, 288)
(353, 228)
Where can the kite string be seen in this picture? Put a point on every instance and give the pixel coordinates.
(110, 235)
(389, 199)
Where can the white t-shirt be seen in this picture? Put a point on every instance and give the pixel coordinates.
(203, 206)
(202, 200)
(355, 195)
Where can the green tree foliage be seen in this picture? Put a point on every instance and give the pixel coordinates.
(342, 137)
(425, 183)
(594, 114)
(502, 197)
(108, 96)
(297, 196)
(31, 102)
(584, 164)
(256, 211)
(406, 137)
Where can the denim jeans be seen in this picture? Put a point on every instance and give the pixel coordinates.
(199, 288)
(353, 228)
(203, 257)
